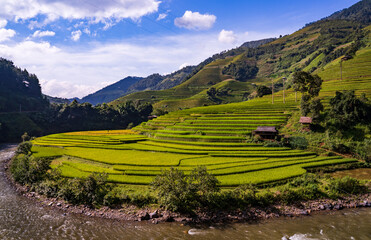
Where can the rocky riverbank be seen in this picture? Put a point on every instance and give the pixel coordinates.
(153, 215)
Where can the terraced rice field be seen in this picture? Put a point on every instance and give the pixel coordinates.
(184, 141)
(214, 136)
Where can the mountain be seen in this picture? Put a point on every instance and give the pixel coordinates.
(19, 90)
(111, 92)
(234, 75)
(257, 43)
(359, 12)
(135, 84)
(159, 82)
(57, 100)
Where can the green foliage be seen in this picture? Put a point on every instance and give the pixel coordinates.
(305, 104)
(27, 169)
(363, 150)
(24, 148)
(315, 108)
(25, 137)
(310, 86)
(346, 109)
(242, 69)
(19, 91)
(90, 190)
(263, 90)
(184, 193)
(346, 185)
(298, 142)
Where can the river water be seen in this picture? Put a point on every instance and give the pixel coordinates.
(21, 218)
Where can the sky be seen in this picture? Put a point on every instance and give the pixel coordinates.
(76, 47)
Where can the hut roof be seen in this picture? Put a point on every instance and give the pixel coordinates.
(266, 129)
(305, 120)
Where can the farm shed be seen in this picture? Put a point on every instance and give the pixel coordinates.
(266, 132)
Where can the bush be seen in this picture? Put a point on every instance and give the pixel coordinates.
(24, 148)
(304, 180)
(288, 195)
(118, 196)
(273, 144)
(184, 193)
(298, 142)
(346, 185)
(90, 191)
(28, 169)
(363, 150)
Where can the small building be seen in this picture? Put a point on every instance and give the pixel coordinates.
(306, 122)
(266, 132)
(152, 117)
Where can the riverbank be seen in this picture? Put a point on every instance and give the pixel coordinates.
(153, 215)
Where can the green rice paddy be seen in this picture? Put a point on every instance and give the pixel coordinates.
(214, 136)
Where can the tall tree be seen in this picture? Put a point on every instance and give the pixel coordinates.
(310, 86)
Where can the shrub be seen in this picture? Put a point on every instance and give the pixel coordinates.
(184, 193)
(363, 150)
(273, 144)
(24, 148)
(246, 194)
(298, 142)
(304, 180)
(90, 190)
(28, 169)
(288, 195)
(346, 185)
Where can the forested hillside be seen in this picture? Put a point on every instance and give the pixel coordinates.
(235, 75)
(19, 90)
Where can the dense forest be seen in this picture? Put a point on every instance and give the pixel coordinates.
(23, 108)
(19, 90)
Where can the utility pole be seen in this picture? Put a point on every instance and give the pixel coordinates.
(20, 107)
(272, 92)
(283, 80)
(341, 69)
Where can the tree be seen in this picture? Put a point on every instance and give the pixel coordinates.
(310, 86)
(307, 83)
(211, 93)
(315, 108)
(263, 90)
(346, 110)
(180, 192)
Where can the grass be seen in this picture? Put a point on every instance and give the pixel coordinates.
(138, 163)
(204, 136)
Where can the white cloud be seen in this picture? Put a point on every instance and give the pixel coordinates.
(6, 34)
(95, 10)
(195, 21)
(76, 71)
(184, 65)
(43, 34)
(161, 16)
(75, 35)
(227, 36)
(3, 23)
(87, 31)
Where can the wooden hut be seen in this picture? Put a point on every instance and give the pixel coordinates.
(306, 122)
(152, 117)
(266, 132)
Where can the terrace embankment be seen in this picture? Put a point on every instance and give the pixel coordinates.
(156, 215)
(45, 222)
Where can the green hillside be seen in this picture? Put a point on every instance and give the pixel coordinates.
(313, 49)
(220, 136)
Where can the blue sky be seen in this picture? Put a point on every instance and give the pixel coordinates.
(78, 47)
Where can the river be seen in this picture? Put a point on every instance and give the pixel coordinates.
(22, 218)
